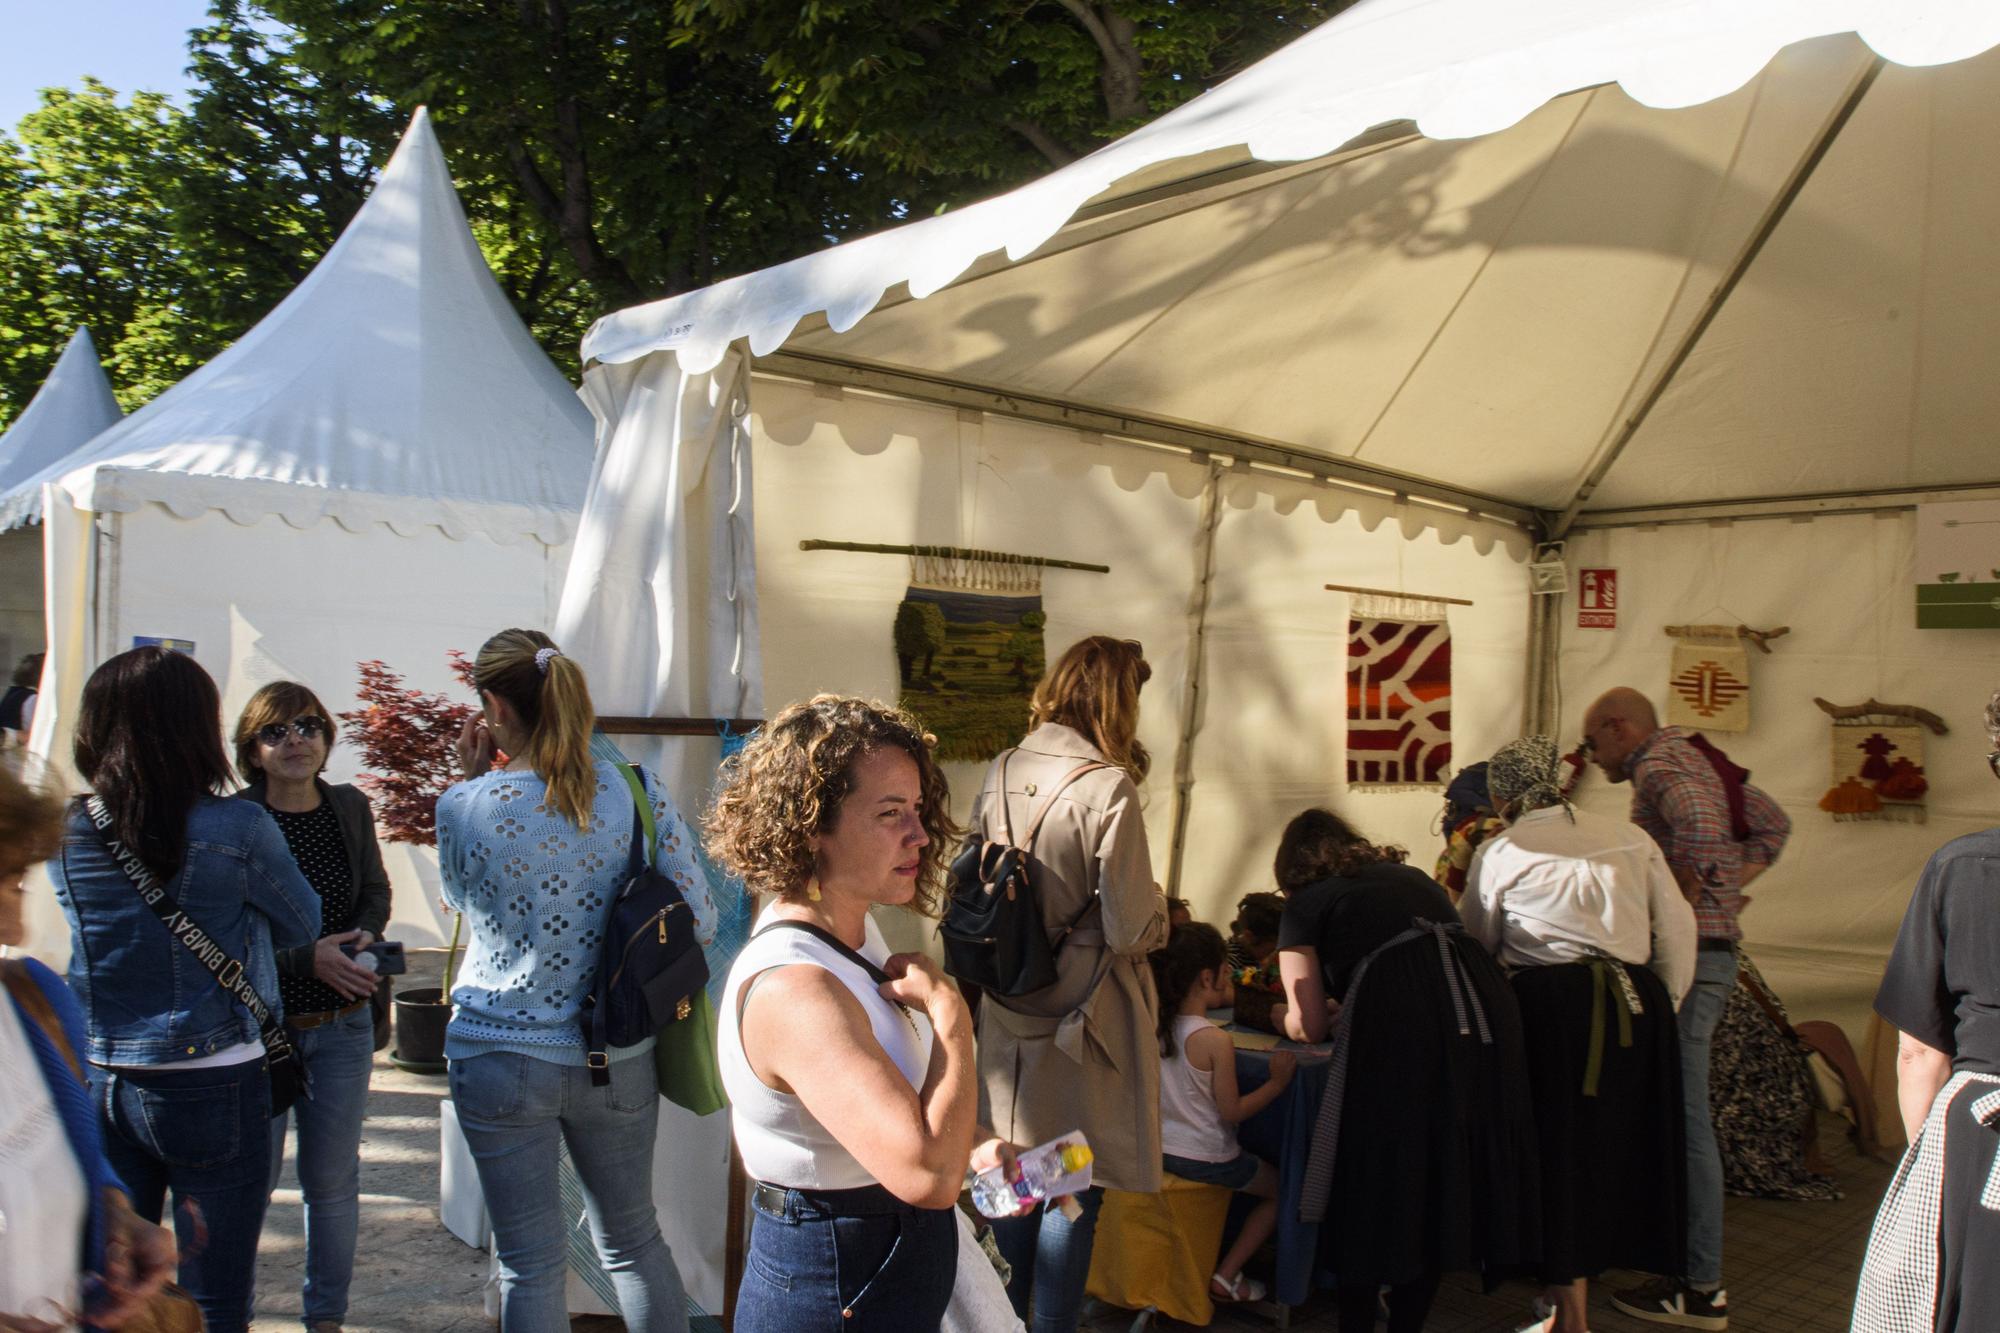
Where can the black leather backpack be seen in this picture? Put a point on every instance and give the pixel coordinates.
(993, 932)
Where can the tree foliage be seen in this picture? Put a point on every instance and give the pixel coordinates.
(991, 90)
(606, 151)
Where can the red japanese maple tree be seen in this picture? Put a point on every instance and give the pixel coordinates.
(405, 737)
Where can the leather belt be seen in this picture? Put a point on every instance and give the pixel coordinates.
(1716, 946)
(306, 1022)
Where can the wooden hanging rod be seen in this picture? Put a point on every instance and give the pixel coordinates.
(1758, 637)
(1406, 596)
(675, 726)
(955, 553)
(1876, 708)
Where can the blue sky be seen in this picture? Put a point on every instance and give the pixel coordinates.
(130, 44)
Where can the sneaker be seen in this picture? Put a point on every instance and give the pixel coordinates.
(1544, 1318)
(1666, 1301)
(1242, 1289)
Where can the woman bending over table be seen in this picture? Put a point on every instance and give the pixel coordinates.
(1423, 1158)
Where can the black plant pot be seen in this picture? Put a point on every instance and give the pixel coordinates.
(421, 1016)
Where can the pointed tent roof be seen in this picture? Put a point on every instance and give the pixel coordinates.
(73, 406)
(394, 385)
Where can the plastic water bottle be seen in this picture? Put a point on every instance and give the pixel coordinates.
(1060, 1166)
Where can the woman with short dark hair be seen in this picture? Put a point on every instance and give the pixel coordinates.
(282, 741)
(1934, 1257)
(1427, 1138)
(176, 1062)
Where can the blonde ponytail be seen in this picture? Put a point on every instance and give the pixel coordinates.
(524, 667)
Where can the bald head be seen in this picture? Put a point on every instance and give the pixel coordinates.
(1617, 724)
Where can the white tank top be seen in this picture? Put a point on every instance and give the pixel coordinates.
(1190, 1126)
(780, 1141)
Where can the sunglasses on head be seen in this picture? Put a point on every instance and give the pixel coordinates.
(309, 727)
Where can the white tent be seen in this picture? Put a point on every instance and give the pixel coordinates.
(386, 467)
(74, 404)
(1699, 288)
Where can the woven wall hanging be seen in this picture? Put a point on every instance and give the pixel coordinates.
(1398, 692)
(1878, 762)
(1708, 685)
(969, 650)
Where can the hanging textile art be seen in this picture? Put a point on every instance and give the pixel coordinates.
(968, 639)
(1708, 686)
(1878, 771)
(1958, 565)
(1398, 694)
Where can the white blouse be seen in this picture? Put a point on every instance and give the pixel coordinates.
(44, 1199)
(1553, 890)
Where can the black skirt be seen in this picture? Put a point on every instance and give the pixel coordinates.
(1613, 1157)
(1436, 1166)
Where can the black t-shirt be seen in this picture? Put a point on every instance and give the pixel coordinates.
(1942, 985)
(1349, 917)
(315, 842)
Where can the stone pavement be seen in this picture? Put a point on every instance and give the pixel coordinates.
(1791, 1267)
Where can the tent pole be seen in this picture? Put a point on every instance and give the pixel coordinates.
(1780, 205)
(1211, 518)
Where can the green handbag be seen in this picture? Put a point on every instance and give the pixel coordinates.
(684, 1059)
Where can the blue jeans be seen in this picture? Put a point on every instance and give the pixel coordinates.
(338, 1058)
(846, 1261)
(204, 1135)
(516, 1112)
(1701, 1012)
(1050, 1256)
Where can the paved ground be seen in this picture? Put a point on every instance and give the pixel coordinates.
(1791, 1266)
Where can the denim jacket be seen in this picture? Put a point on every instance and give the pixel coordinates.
(149, 1000)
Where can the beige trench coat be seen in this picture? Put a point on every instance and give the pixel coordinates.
(1078, 1055)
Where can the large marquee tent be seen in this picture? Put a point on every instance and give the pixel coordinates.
(386, 467)
(1699, 290)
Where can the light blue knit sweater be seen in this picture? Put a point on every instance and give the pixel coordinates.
(536, 893)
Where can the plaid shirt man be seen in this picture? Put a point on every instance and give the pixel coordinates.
(1678, 798)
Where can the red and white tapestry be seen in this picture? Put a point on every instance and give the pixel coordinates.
(1398, 703)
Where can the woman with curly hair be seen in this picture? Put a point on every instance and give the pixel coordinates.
(534, 854)
(1426, 1137)
(1081, 1052)
(849, 1069)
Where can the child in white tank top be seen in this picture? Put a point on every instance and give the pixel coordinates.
(1199, 1104)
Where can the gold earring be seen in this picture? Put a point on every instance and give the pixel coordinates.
(812, 889)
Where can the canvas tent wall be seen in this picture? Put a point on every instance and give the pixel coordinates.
(386, 467)
(74, 405)
(1512, 270)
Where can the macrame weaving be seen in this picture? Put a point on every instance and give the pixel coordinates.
(1398, 701)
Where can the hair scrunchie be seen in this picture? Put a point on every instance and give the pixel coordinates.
(542, 656)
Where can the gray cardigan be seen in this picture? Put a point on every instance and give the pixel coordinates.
(364, 861)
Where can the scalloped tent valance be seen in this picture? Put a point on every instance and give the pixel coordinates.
(395, 385)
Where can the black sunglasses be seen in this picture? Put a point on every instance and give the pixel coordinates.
(309, 727)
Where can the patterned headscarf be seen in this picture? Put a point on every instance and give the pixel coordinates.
(1527, 774)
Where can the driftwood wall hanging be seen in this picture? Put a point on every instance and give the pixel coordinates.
(1877, 763)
